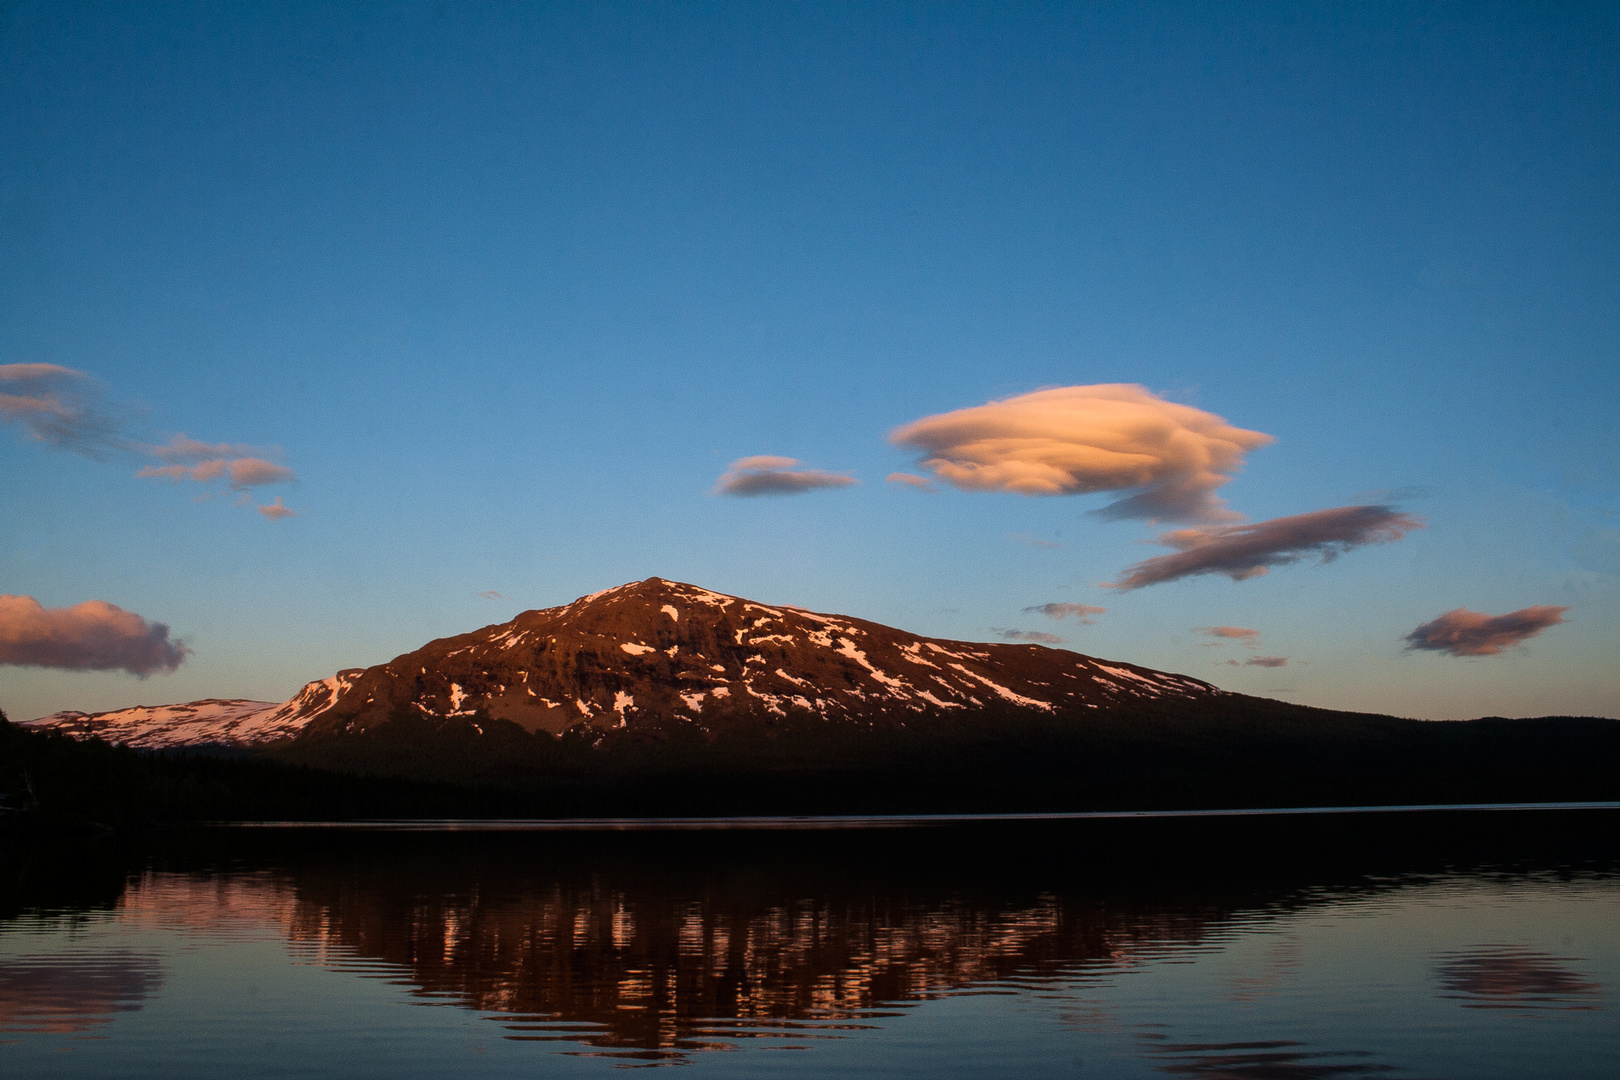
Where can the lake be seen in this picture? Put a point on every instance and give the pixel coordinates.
(1456, 944)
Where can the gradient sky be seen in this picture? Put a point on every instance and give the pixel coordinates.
(508, 287)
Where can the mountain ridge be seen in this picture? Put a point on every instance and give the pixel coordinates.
(651, 654)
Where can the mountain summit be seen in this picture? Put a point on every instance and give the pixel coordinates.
(656, 653)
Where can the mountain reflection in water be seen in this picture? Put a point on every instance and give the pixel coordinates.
(648, 957)
(649, 948)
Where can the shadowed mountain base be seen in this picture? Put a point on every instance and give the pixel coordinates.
(1226, 753)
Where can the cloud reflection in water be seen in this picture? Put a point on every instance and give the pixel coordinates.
(1507, 977)
(66, 995)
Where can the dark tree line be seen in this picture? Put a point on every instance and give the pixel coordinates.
(1233, 751)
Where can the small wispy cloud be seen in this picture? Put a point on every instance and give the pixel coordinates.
(490, 594)
(1167, 460)
(1082, 613)
(921, 483)
(765, 474)
(1038, 636)
(276, 510)
(1223, 634)
(183, 448)
(1231, 633)
(1241, 552)
(1259, 661)
(239, 474)
(60, 407)
(1461, 632)
(241, 467)
(92, 636)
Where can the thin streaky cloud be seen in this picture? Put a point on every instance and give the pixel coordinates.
(240, 473)
(1082, 613)
(1167, 460)
(1039, 637)
(1241, 552)
(183, 448)
(92, 636)
(921, 483)
(1460, 632)
(60, 407)
(256, 472)
(490, 594)
(767, 474)
(1229, 633)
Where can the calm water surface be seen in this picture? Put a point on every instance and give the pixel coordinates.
(1297, 949)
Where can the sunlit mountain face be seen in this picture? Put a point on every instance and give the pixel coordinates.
(661, 655)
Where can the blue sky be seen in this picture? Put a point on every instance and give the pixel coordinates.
(508, 287)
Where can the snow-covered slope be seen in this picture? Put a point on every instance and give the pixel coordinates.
(653, 653)
(218, 721)
(656, 652)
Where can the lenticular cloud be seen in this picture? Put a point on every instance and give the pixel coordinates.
(1081, 612)
(1461, 632)
(92, 636)
(766, 474)
(1245, 551)
(1229, 633)
(1076, 440)
(1038, 636)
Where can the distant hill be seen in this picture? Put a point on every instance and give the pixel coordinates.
(234, 722)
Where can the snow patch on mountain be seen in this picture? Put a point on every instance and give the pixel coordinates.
(219, 721)
(613, 659)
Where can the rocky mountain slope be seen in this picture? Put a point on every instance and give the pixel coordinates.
(655, 653)
(212, 721)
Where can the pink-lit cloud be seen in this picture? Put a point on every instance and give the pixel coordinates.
(1229, 633)
(92, 636)
(1241, 552)
(256, 472)
(1037, 636)
(276, 510)
(204, 462)
(183, 448)
(921, 483)
(766, 474)
(60, 407)
(1461, 632)
(1078, 440)
(1082, 613)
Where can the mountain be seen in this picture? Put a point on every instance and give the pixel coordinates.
(656, 654)
(209, 722)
